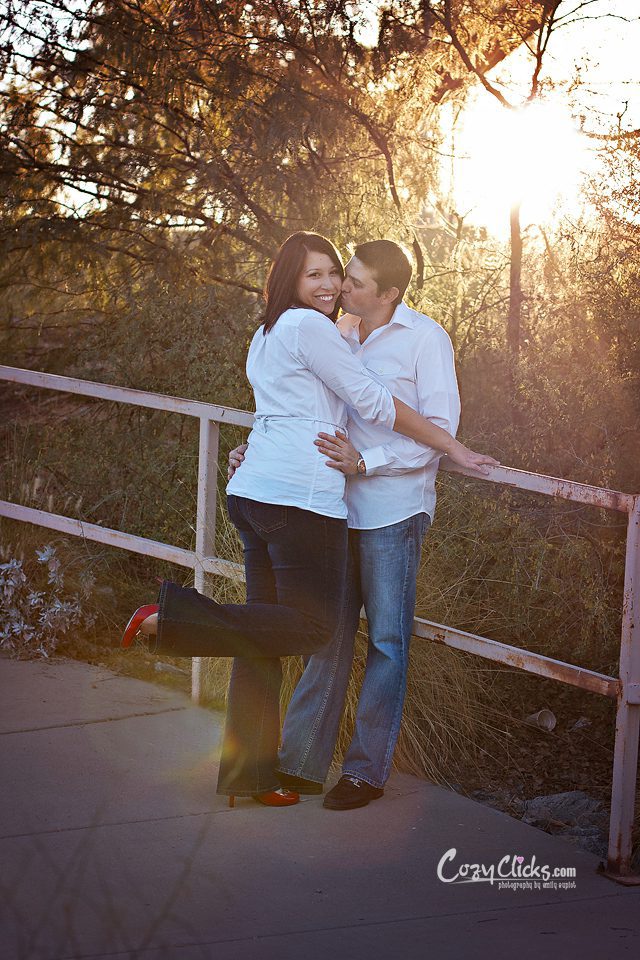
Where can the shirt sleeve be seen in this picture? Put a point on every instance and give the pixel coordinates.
(438, 401)
(323, 351)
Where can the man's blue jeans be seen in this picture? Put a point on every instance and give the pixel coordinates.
(382, 570)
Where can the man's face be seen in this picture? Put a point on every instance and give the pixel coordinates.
(360, 290)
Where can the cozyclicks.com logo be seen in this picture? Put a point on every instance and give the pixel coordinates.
(511, 872)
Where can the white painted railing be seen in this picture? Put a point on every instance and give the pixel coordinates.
(625, 688)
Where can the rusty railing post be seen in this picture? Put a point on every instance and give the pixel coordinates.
(205, 523)
(625, 759)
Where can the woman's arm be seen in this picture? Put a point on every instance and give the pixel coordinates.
(410, 423)
(344, 457)
(326, 354)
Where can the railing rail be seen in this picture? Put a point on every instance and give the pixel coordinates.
(625, 689)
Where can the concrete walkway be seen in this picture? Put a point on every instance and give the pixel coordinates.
(114, 844)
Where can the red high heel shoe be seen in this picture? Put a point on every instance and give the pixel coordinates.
(134, 623)
(274, 798)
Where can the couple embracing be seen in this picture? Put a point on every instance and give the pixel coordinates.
(332, 498)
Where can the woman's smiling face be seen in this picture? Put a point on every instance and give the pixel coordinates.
(319, 283)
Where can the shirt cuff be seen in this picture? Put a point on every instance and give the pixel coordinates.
(373, 457)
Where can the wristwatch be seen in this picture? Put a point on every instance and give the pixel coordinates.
(361, 465)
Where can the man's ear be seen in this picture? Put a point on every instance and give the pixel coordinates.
(388, 296)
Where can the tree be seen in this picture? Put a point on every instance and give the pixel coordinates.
(195, 135)
(535, 30)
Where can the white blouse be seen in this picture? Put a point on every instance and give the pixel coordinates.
(303, 375)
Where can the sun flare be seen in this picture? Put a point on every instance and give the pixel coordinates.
(535, 155)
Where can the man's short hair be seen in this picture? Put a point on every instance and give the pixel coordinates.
(389, 264)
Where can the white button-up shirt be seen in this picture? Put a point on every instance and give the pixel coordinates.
(412, 355)
(303, 375)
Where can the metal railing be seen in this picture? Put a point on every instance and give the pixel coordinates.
(625, 689)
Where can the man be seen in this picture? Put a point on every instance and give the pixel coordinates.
(390, 496)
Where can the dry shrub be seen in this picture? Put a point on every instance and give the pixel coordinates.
(525, 570)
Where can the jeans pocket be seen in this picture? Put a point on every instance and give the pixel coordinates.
(266, 517)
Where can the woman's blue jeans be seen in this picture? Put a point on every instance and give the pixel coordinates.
(295, 565)
(382, 570)
(294, 560)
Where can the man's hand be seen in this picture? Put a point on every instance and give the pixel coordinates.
(342, 454)
(236, 456)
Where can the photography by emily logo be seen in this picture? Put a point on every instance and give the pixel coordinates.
(511, 872)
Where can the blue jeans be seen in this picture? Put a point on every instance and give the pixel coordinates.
(382, 569)
(295, 560)
(295, 564)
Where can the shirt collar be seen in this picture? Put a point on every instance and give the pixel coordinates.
(403, 315)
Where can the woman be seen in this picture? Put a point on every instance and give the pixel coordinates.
(288, 509)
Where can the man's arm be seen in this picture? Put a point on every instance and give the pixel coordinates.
(236, 456)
